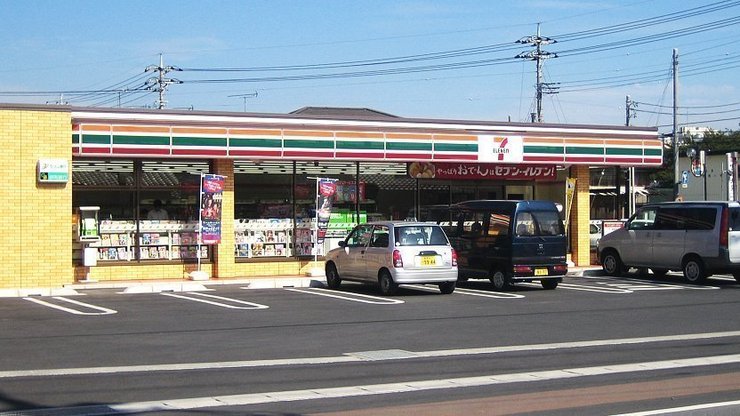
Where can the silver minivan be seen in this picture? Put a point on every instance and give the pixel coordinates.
(389, 253)
(698, 238)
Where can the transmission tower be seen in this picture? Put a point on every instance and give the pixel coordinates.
(539, 56)
(160, 82)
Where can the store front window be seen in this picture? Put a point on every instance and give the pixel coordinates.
(263, 209)
(148, 209)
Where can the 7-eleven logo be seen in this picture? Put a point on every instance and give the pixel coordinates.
(500, 149)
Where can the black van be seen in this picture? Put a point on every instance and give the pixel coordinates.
(508, 242)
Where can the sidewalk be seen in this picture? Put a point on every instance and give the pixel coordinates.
(184, 285)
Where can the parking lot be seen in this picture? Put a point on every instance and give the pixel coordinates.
(105, 346)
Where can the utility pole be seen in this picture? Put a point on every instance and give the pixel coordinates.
(160, 82)
(630, 107)
(539, 56)
(676, 171)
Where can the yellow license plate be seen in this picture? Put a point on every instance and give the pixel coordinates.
(428, 260)
(540, 271)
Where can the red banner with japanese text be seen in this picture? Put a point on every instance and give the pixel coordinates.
(472, 170)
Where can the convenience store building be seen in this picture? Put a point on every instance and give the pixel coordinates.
(123, 160)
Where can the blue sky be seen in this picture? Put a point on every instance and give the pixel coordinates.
(79, 48)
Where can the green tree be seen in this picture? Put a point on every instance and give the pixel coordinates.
(713, 142)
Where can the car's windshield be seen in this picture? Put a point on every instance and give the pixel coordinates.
(420, 235)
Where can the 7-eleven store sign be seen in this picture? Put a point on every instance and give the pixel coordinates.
(500, 149)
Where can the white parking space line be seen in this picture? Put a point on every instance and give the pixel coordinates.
(488, 294)
(598, 289)
(640, 284)
(245, 399)
(583, 288)
(101, 310)
(471, 292)
(676, 410)
(352, 297)
(194, 296)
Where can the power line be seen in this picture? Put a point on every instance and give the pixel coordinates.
(691, 106)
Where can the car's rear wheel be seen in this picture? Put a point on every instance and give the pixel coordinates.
(500, 280)
(549, 284)
(447, 287)
(387, 286)
(611, 263)
(693, 270)
(333, 281)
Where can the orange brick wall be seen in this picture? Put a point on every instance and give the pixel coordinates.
(36, 240)
(580, 218)
(225, 263)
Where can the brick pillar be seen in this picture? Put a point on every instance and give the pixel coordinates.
(36, 236)
(224, 264)
(580, 217)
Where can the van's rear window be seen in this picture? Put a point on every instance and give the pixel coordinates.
(540, 223)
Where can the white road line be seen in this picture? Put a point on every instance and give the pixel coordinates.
(683, 409)
(384, 388)
(103, 311)
(223, 305)
(354, 357)
(353, 297)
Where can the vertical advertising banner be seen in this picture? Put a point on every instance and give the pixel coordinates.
(211, 198)
(326, 190)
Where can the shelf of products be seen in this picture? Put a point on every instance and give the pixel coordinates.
(157, 240)
(305, 233)
(263, 238)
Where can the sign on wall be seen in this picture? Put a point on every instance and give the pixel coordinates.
(52, 171)
(472, 170)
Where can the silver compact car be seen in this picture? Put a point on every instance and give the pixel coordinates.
(390, 253)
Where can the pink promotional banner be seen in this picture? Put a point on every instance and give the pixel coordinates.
(472, 170)
(211, 198)
(327, 188)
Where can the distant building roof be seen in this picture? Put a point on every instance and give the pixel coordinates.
(365, 113)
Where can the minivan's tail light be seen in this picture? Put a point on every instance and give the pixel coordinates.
(397, 260)
(522, 269)
(724, 227)
(560, 268)
(454, 257)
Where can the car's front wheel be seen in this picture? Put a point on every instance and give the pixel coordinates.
(387, 286)
(447, 287)
(332, 277)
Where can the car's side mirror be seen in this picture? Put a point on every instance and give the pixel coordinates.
(342, 243)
